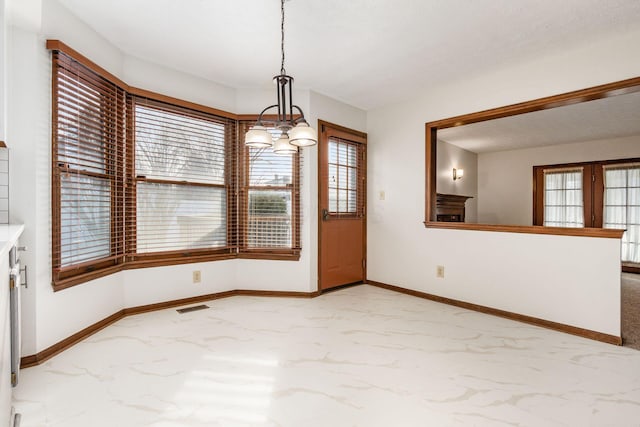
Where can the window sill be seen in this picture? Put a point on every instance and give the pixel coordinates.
(155, 260)
(287, 255)
(529, 229)
(60, 284)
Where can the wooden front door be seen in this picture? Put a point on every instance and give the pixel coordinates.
(341, 205)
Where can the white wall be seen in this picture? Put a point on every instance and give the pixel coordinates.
(49, 317)
(506, 177)
(494, 269)
(3, 71)
(449, 157)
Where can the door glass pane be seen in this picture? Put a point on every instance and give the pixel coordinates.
(343, 176)
(622, 207)
(563, 198)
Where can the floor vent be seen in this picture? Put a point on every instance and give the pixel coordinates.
(194, 308)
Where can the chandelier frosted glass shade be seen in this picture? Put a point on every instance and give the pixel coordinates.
(258, 137)
(303, 135)
(282, 146)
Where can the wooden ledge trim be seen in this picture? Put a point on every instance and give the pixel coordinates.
(61, 47)
(3, 144)
(143, 93)
(561, 327)
(606, 233)
(48, 353)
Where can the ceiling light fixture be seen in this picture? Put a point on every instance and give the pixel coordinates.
(296, 132)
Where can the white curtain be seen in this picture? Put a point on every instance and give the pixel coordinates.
(563, 199)
(622, 206)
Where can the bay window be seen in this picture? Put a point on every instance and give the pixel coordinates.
(140, 179)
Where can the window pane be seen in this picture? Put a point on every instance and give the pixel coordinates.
(176, 217)
(563, 202)
(333, 152)
(269, 219)
(621, 208)
(351, 204)
(343, 176)
(352, 155)
(269, 169)
(179, 147)
(85, 218)
(333, 200)
(333, 176)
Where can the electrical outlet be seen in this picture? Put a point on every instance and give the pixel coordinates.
(440, 271)
(197, 276)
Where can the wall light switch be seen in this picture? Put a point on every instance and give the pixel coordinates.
(381, 195)
(440, 271)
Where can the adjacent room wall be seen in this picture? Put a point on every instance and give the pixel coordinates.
(531, 274)
(449, 157)
(505, 185)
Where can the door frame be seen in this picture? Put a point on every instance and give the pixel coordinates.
(322, 126)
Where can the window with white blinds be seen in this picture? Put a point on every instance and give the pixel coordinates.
(269, 206)
(622, 206)
(88, 168)
(181, 179)
(563, 198)
(343, 166)
(140, 179)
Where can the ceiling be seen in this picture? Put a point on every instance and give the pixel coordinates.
(367, 53)
(606, 118)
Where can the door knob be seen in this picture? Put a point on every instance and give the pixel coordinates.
(325, 214)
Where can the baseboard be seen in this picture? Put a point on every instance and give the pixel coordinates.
(48, 353)
(561, 327)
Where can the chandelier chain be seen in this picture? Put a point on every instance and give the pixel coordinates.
(282, 71)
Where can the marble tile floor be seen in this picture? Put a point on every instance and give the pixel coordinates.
(360, 356)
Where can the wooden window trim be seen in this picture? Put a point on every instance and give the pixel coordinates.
(291, 254)
(162, 258)
(111, 125)
(431, 133)
(125, 189)
(593, 189)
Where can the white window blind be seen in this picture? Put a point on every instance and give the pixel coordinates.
(88, 163)
(622, 206)
(270, 198)
(269, 193)
(563, 198)
(343, 176)
(180, 172)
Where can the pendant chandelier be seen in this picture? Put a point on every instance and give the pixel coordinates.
(296, 132)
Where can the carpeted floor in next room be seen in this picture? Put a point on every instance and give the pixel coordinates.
(631, 310)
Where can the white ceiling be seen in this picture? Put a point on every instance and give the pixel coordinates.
(614, 117)
(367, 53)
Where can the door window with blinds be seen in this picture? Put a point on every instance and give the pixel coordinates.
(181, 179)
(563, 198)
(88, 163)
(622, 206)
(345, 163)
(269, 207)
